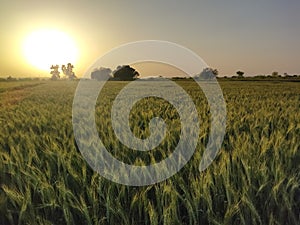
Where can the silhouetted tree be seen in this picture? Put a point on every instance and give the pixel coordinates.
(275, 74)
(240, 73)
(55, 73)
(125, 73)
(68, 71)
(215, 72)
(208, 73)
(101, 73)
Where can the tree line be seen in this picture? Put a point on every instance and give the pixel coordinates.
(124, 72)
(128, 73)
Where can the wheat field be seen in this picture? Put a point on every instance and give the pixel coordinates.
(255, 178)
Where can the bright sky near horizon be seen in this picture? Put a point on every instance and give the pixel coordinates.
(257, 36)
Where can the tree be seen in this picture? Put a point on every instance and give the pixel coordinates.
(215, 72)
(240, 73)
(101, 73)
(208, 73)
(68, 71)
(275, 74)
(125, 73)
(55, 73)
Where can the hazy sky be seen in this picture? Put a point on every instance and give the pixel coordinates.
(256, 36)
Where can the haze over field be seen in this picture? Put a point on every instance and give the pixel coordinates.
(258, 37)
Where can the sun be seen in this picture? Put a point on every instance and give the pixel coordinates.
(42, 48)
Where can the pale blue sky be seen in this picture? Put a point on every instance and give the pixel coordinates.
(257, 36)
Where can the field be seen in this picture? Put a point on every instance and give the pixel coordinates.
(255, 178)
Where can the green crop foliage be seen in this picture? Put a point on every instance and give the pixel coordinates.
(255, 179)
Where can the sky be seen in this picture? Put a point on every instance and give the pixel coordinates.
(257, 36)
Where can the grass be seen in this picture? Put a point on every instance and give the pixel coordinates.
(255, 178)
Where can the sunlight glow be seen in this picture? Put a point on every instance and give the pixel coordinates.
(42, 48)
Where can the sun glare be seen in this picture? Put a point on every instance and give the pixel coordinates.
(43, 48)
